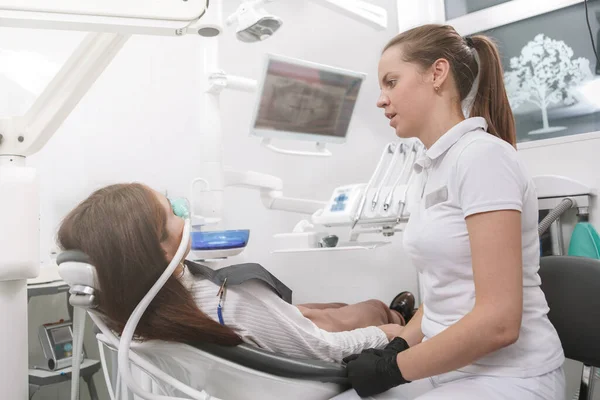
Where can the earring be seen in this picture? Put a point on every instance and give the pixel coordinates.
(436, 88)
(182, 265)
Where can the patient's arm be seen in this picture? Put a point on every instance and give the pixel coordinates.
(353, 316)
(263, 319)
(392, 330)
(321, 306)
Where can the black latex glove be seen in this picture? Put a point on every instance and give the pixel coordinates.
(398, 344)
(375, 370)
(394, 347)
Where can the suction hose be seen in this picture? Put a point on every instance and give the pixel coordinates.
(555, 214)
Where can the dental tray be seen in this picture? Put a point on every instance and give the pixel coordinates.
(219, 240)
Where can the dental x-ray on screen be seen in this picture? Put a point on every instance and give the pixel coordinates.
(305, 101)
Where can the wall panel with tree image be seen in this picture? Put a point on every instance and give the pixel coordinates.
(549, 64)
(545, 75)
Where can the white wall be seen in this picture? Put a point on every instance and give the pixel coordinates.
(141, 122)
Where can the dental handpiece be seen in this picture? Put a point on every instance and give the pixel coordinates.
(409, 160)
(363, 199)
(397, 151)
(403, 200)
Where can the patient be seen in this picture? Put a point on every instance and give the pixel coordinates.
(131, 234)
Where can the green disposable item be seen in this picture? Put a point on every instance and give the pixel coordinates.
(585, 241)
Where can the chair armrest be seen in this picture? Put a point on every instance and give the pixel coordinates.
(277, 364)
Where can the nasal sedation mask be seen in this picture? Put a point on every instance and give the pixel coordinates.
(227, 241)
(180, 207)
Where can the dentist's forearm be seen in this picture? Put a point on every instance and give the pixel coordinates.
(412, 331)
(474, 336)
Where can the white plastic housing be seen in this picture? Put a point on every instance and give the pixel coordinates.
(341, 207)
(13, 336)
(19, 216)
(559, 186)
(345, 200)
(298, 240)
(78, 273)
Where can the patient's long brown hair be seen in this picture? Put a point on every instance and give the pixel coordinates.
(120, 228)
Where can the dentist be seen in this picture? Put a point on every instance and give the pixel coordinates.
(482, 331)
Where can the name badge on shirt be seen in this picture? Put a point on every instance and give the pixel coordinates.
(437, 196)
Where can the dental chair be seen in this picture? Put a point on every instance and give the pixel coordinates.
(202, 371)
(572, 286)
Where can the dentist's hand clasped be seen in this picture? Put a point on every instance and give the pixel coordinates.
(376, 370)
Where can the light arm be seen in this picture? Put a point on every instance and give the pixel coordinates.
(146, 17)
(85, 23)
(30, 132)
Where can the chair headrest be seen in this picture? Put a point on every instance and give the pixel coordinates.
(75, 268)
(73, 256)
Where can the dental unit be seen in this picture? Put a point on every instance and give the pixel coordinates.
(380, 206)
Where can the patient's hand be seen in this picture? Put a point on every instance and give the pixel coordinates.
(391, 330)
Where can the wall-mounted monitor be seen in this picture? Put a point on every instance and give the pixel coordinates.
(302, 100)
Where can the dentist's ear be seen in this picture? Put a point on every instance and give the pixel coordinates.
(440, 71)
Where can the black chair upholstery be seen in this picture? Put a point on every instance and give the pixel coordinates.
(279, 365)
(572, 289)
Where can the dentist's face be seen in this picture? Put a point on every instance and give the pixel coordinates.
(406, 96)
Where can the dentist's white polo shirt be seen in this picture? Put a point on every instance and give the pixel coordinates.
(469, 171)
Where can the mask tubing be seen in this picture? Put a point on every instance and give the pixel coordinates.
(129, 330)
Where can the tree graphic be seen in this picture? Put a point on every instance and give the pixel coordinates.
(545, 74)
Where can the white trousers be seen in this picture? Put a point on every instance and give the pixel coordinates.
(465, 386)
